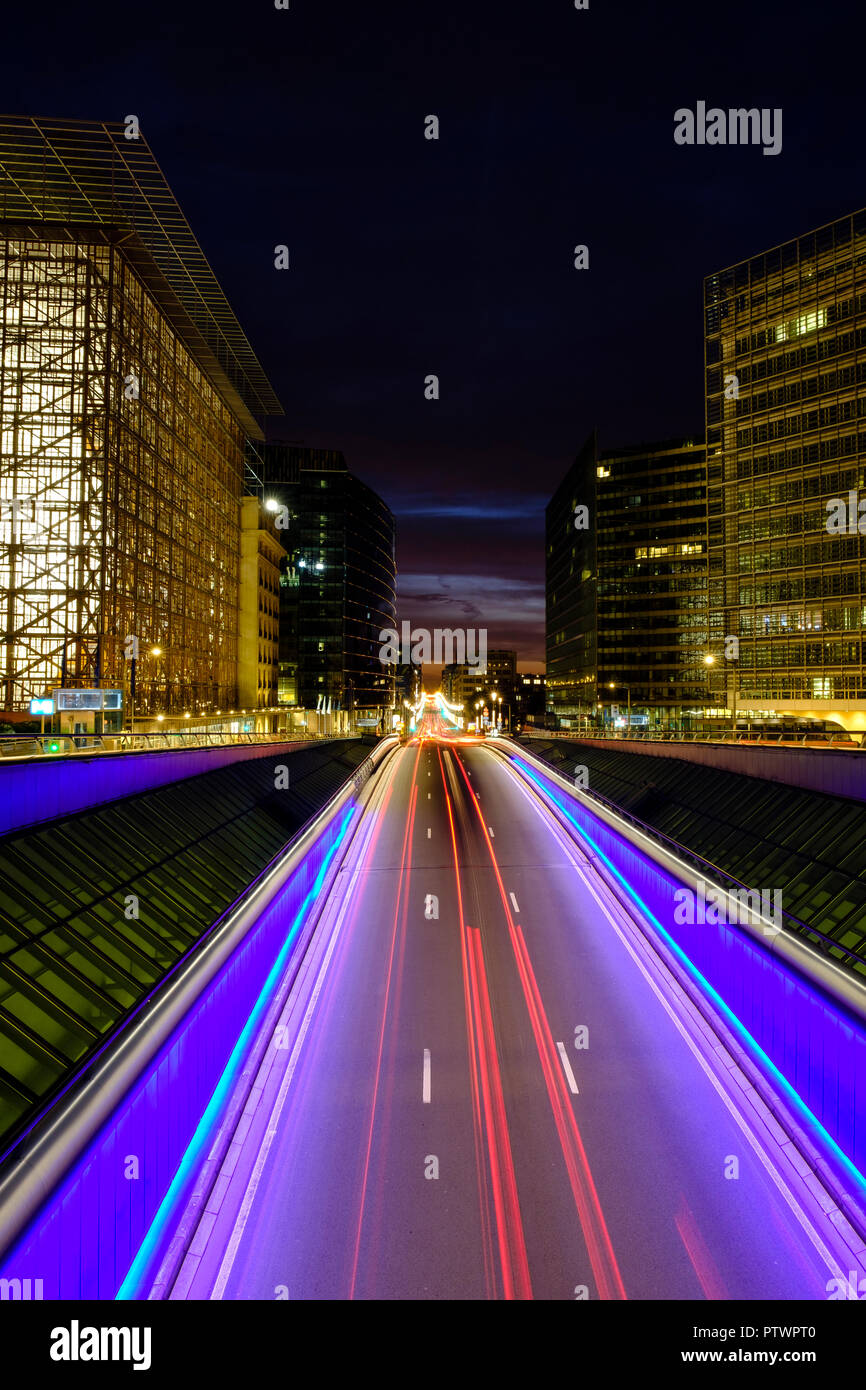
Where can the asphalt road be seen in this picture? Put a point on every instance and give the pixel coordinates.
(492, 1092)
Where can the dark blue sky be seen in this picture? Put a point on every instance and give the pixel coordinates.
(455, 257)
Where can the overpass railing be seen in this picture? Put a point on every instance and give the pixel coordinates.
(53, 745)
(788, 739)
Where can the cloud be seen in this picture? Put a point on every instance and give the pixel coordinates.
(516, 508)
(511, 610)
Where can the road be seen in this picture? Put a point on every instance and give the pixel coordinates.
(492, 1092)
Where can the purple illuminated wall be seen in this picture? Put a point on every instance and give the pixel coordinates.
(42, 788)
(82, 1245)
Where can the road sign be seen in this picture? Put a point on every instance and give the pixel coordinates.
(75, 699)
(42, 707)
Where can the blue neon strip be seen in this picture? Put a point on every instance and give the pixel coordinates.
(193, 1153)
(768, 1066)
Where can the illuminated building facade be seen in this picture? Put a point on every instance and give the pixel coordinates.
(502, 671)
(127, 391)
(262, 555)
(785, 354)
(626, 586)
(468, 685)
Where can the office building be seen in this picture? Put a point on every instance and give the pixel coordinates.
(408, 683)
(491, 684)
(338, 583)
(530, 697)
(262, 555)
(127, 392)
(786, 453)
(626, 586)
(501, 671)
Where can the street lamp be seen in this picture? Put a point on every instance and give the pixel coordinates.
(710, 660)
(155, 652)
(498, 698)
(614, 685)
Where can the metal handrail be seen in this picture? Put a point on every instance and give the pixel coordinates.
(40, 745)
(756, 738)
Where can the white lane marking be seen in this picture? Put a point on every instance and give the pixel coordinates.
(514, 902)
(566, 1066)
(425, 1085)
(490, 828)
(429, 832)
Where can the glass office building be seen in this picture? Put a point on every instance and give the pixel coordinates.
(626, 586)
(338, 583)
(785, 357)
(127, 391)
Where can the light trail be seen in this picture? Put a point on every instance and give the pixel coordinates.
(599, 1246)
(486, 1082)
(407, 835)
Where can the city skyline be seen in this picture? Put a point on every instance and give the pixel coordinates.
(410, 256)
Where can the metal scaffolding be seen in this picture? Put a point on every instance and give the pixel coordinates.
(127, 394)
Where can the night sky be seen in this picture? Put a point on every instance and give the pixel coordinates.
(455, 257)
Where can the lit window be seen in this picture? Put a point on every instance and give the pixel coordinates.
(806, 323)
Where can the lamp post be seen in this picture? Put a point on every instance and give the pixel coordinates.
(710, 660)
(155, 652)
(614, 685)
(507, 704)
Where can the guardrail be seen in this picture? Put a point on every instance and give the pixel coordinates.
(79, 1191)
(799, 1015)
(789, 739)
(56, 745)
